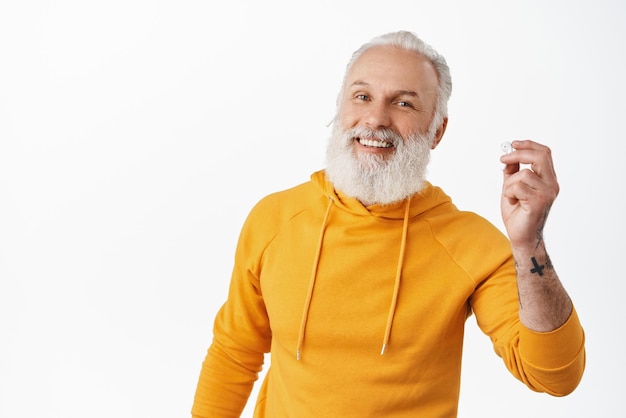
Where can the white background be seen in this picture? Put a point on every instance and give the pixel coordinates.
(136, 135)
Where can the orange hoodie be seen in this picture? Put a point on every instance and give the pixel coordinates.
(363, 310)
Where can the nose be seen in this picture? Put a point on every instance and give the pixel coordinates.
(377, 116)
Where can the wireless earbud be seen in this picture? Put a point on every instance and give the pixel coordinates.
(506, 148)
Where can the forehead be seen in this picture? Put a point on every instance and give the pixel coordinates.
(393, 68)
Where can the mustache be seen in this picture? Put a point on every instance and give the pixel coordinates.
(385, 134)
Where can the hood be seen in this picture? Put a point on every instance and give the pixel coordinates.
(429, 197)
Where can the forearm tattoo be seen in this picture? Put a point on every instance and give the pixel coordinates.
(538, 268)
(539, 231)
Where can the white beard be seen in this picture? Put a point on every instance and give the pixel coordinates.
(370, 178)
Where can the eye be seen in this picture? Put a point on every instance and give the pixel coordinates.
(362, 97)
(405, 104)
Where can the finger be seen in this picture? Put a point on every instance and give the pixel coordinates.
(527, 144)
(518, 191)
(538, 157)
(529, 178)
(510, 169)
(526, 185)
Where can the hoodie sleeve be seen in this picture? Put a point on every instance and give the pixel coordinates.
(241, 336)
(551, 362)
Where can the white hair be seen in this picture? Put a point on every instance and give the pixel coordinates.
(411, 42)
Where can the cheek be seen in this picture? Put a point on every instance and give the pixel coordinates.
(348, 117)
(410, 126)
(408, 130)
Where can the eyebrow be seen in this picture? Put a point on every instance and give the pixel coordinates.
(359, 83)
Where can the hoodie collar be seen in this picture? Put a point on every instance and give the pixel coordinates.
(429, 197)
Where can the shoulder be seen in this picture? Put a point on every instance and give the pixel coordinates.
(455, 228)
(452, 224)
(286, 203)
(473, 242)
(270, 214)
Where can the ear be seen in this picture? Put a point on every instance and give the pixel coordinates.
(439, 134)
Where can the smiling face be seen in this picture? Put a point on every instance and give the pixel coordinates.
(380, 145)
(388, 88)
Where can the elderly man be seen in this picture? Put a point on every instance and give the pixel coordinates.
(359, 281)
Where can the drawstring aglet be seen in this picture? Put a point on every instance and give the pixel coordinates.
(298, 355)
(383, 350)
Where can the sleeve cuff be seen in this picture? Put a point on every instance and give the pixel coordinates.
(553, 349)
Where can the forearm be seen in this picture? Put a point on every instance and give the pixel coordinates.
(544, 305)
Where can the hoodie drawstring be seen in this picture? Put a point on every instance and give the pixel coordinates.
(309, 293)
(396, 286)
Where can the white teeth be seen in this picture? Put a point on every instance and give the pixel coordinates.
(374, 143)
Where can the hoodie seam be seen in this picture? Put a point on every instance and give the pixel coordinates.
(279, 228)
(450, 256)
